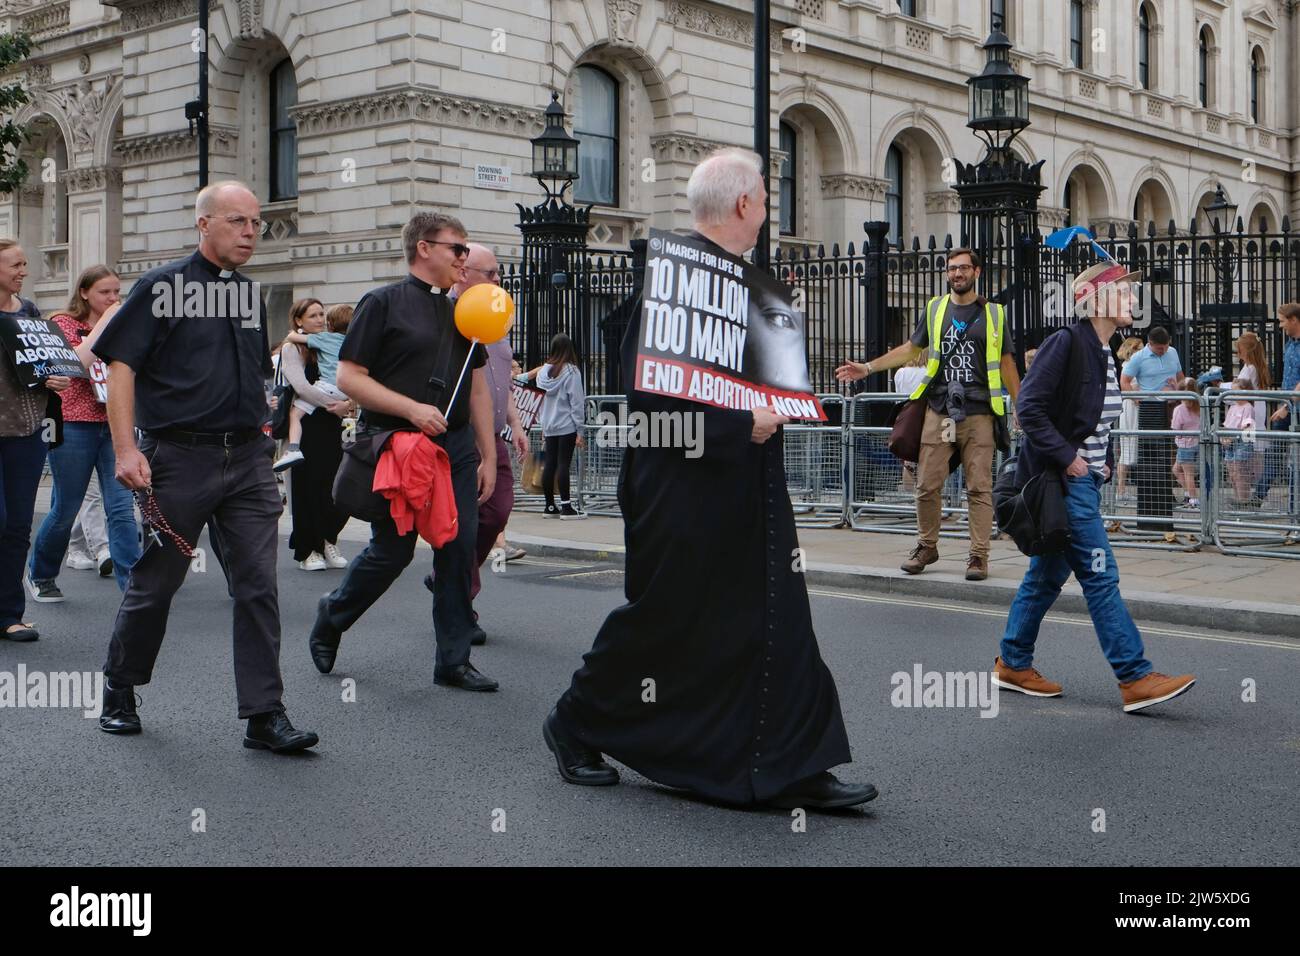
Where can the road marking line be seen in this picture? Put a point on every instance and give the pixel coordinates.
(1056, 619)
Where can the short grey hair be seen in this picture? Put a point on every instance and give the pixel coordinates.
(718, 183)
(207, 197)
(426, 225)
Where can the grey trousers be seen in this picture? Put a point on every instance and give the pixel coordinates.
(90, 531)
(236, 488)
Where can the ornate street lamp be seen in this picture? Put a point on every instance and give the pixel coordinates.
(1222, 217)
(999, 97)
(554, 248)
(555, 153)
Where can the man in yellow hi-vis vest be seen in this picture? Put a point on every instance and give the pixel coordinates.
(969, 363)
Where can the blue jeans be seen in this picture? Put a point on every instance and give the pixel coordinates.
(87, 448)
(21, 462)
(1090, 558)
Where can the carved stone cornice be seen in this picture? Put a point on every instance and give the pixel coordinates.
(178, 144)
(86, 179)
(142, 16)
(848, 186)
(46, 21)
(721, 24)
(378, 109)
(676, 147)
(622, 16)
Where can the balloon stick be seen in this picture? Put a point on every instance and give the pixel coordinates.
(460, 378)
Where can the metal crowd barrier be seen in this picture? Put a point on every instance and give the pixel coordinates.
(842, 473)
(1255, 499)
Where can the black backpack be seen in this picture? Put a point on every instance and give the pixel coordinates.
(1033, 514)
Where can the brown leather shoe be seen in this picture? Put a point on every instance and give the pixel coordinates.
(1026, 681)
(1154, 689)
(922, 555)
(977, 568)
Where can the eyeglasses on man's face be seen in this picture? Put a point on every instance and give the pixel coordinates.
(242, 222)
(493, 273)
(961, 269)
(458, 249)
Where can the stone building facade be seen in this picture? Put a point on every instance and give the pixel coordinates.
(345, 114)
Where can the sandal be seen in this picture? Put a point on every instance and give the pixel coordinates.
(21, 632)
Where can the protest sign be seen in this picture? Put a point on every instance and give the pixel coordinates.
(718, 330)
(38, 350)
(528, 400)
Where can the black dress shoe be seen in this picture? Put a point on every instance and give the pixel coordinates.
(824, 791)
(479, 637)
(465, 677)
(577, 762)
(118, 715)
(324, 640)
(273, 732)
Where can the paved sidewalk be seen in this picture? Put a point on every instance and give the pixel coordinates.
(1202, 590)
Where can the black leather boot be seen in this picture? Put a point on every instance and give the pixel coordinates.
(273, 732)
(118, 715)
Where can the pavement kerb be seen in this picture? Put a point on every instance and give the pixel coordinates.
(1252, 617)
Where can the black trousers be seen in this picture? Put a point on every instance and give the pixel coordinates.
(374, 570)
(1153, 475)
(555, 470)
(317, 521)
(236, 488)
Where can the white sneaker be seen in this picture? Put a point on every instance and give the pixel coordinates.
(333, 558)
(81, 562)
(314, 562)
(287, 460)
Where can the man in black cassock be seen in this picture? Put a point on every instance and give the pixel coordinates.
(742, 709)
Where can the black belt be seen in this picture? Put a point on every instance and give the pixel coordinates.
(221, 439)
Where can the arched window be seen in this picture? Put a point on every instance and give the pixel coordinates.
(1144, 47)
(284, 134)
(1076, 34)
(1256, 70)
(1203, 67)
(789, 144)
(894, 194)
(1069, 203)
(907, 7)
(595, 124)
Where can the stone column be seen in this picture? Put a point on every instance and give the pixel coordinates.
(94, 217)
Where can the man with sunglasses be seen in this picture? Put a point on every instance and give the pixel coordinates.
(969, 362)
(188, 358)
(400, 362)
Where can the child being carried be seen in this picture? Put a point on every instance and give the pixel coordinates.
(327, 346)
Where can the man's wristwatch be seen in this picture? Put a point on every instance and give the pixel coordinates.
(868, 368)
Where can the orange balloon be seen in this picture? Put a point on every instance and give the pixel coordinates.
(485, 312)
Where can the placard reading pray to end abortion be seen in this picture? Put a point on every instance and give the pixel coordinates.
(718, 330)
(38, 350)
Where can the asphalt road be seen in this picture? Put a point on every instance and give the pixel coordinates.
(411, 773)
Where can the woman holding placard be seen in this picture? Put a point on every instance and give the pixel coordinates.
(87, 446)
(28, 418)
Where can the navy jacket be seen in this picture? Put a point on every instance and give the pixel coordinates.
(1061, 400)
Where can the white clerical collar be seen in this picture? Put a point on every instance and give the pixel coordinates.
(226, 273)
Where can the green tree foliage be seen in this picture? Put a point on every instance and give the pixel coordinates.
(14, 48)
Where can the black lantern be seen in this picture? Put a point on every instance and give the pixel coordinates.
(555, 153)
(1222, 213)
(999, 97)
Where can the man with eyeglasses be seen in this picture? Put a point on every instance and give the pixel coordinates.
(188, 358)
(969, 362)
(400, 362)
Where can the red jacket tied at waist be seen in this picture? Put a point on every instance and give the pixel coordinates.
(414, 475)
